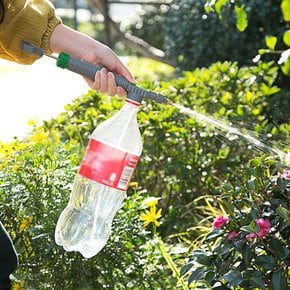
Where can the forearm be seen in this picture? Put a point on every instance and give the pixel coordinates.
(73, 42)
(86, 48)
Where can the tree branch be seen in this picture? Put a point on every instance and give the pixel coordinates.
(132, 42)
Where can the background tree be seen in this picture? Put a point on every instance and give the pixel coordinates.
(193, 35)
(199, 33)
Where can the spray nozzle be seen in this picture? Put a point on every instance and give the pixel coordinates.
(89, 70)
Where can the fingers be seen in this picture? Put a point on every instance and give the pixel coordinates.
(111, 61)
(101, 81)
(113, 89)
(111, 86)
(105, 83)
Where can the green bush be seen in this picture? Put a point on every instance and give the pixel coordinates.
(249, 246)
(186, 161)
(184, 158)
(36, 180)
(194, 38)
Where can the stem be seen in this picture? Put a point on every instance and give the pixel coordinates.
(171, 264)
(267, 249)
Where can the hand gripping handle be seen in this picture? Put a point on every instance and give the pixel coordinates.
(89, 70)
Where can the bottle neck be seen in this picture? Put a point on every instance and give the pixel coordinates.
(132, 102)
(134, 96)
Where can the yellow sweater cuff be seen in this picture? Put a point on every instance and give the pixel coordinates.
(29, 20)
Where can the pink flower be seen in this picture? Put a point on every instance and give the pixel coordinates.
(286, 174)
(265, 228)
(251, 236)
(232, 235)
(220, 221)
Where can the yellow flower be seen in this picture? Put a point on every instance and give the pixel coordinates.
(39, 137)
(6, 150)
(20, 146)
(2, 165)
(151, 201)
(151, 216)
(25, 224)
(15, 168)
(18, 285)
(133, 184)
(31, 122)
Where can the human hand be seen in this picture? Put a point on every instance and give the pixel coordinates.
(85, 48)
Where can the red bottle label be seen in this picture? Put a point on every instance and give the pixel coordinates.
(108, 165)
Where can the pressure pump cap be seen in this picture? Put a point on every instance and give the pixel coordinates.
(136, 98)
(63, 59)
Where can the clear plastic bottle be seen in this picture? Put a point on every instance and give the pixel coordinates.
(101, 183)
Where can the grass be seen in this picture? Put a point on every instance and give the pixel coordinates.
(146, 68)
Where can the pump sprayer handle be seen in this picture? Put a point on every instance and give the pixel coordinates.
(89, 70)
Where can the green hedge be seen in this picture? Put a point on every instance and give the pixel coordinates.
(249, 244)
(184, 158)
(36, 181)
(185, 161)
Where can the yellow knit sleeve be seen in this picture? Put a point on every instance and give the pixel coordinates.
(29, 20)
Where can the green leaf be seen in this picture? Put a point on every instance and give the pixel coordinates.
(208, 8)
(246, 229)
(285, 8)
(263, 51)
(196, 275)
(242, 19)
(281, 183)
(209, 276)
(254, 227)
(185, 268)
(271, 41)
(240, 110)
(255, 162)
(257, 281)
(282, 212)
(219, 5)
(279, 249)
(246, 254)
(202, 259)
(214, 234)
(251, 184)
(286, 37)
(278, 280)
(254, 213)
(265, 261)
(228, 206)
(286, 65)
(224, 249)
(221, 287)
(234, 277)
(273, 90)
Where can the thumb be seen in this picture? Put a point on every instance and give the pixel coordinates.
(122, 70)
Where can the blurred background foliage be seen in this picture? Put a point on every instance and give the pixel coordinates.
(200, 33)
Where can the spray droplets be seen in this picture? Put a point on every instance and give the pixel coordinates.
(232, 133)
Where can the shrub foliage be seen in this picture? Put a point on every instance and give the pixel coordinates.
(186, 161)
